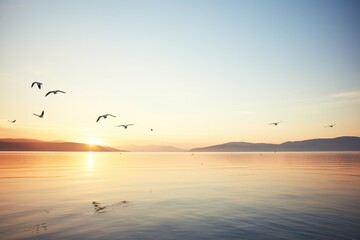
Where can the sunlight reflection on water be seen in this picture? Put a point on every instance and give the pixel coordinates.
(179, 196)
(90, 161)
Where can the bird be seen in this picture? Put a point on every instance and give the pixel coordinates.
(125, 125)
(332, 125)
(38, 84)
(12, 121)
(151, 129)
(274, 123)
(54, 92)
(104, 116)
(41, 115)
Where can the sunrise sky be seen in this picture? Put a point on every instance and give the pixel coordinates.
(197, 72)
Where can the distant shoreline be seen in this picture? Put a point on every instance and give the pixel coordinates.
(339, 144)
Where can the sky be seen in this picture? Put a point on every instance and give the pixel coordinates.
(197, 72)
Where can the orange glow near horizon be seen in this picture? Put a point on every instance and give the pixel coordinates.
(93, 141)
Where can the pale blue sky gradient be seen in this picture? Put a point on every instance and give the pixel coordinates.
(199, 72)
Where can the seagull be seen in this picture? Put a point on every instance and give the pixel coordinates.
(13, 121)
(38, 84)
(274, 123)
(332, 125)
(41, 115)
(125, 126)
(54, 92)
(104, 116)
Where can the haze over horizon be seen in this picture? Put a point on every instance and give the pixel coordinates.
(198, 73)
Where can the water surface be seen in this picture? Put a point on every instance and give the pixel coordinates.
(179, 196)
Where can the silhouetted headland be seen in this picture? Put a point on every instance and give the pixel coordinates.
(311, 145)
(9, 144)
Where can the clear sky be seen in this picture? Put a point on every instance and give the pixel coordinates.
(197, 72)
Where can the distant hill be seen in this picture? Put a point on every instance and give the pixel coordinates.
(321, 144)
(10, 144)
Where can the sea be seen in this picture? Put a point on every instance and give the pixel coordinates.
(88, 195)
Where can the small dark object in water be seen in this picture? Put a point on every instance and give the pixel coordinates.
(39, 228)
(103, 209)
(98, 208)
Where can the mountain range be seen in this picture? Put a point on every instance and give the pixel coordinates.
(321, 144)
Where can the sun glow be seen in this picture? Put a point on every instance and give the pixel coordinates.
(92, 141)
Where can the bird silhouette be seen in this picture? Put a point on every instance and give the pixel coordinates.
(274, 123)
(54, 92)
(151, 129)
(104, 116)
(12, 121)
(38, 84)
(332, 125)
(124, 125)
(41, 115)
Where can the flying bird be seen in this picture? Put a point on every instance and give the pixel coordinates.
(332, 125)
(12, 121)
(41, 115)
(38, 84)
(274, 123)
(151, 129)
(54, 92)
(104, 116)
(125, 125)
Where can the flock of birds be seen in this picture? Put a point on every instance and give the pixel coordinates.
(41, 115)
(125, 126)
(39, 84)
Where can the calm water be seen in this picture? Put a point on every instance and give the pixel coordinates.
(179, 196)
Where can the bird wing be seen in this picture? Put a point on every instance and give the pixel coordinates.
(130, 124)
(42, 114)
(39, 85)
(60, 91)
(120, 126)
(49, 93)
(35, 114)
(33, 84)
(99, 118)
(110, 115)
